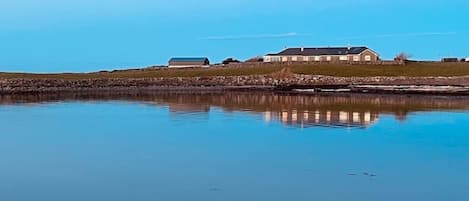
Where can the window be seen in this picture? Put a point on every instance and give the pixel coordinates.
(284, 116)
(343, 116)
(284, 59)
(288, 59)
(294, 115)
(311, 58)
(272, 59)
(367, 117)
(343, 58)
(367, 58)
(299, 58)
(356, 117)
(356, 58)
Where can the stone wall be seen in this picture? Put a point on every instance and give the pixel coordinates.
(39, 85)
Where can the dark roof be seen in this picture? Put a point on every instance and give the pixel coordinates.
(321, 51)
(189, 59)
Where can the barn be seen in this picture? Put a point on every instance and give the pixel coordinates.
(188, 62)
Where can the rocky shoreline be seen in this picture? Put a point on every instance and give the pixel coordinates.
(315, 83)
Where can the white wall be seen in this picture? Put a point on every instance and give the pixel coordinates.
(272, 59)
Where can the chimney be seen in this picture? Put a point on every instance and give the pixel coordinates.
(349, 47)
(302, 49)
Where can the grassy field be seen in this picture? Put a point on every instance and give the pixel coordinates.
(411, 70)
(340, 70)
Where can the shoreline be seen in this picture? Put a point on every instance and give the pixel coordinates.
(305, 78)
(443, 90)
(148, 95)
(291, 83)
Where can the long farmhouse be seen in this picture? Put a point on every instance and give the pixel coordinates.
(327, 54)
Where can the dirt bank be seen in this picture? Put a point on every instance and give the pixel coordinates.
(270, 82)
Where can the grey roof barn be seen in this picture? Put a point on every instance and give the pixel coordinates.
(188, 62)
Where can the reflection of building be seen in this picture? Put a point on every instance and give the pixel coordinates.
(188, 108)
(292, 109)
(323, 118)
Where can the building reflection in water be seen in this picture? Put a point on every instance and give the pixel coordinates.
(306, 118)
(188, 108)
(331, 110)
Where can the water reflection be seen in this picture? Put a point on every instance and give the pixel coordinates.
(146, 146)
(327, 118)
(330, 110)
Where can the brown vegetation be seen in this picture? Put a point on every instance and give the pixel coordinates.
(417, 69)
(402, 57)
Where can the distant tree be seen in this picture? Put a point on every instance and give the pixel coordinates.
(402, 57)
(230, 60)
(463, 60)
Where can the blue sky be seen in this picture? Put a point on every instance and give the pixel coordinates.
(88, 35)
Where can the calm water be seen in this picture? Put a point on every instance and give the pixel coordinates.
(233, 146)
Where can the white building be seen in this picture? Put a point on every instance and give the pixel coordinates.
(327, 54)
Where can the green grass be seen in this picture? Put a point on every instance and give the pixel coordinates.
(341, 70)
